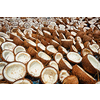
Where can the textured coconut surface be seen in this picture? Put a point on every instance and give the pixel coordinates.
(43, 29)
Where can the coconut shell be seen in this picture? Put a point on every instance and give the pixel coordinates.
(73, 49)
(78, 46)
(17, 41)
(71, 80)
(83, 76)
(56, 39)
(32, 51)
(86, 38)
(88, 66)
(86, 44)
(60, 49)
(44, 42)
(54, 43)
(62, 65)
(61, 36)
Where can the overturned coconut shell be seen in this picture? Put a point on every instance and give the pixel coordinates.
(23, 57)
(8, 45)
(71, 80)
(19, 49)
(43, 57)
(49, 75)
(8, 56)
(90, 64)
(14, 71)
(66, 43)
(34, 68)
(62, 50)
(54, 64)
(74, 57)
(32, 51)
(50, 50)
(54, 43)
(85, 51)
(2, 65)
(17, 40)
(57, 57)
(64, 64)
(82, 75)
(23, 81)
(63, 74)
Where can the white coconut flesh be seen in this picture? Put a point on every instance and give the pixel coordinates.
(41, 46)
(31, 42)
(2, 40)
(62, 27)
(40, 32)
(54, 64)
(64, 50)
(22, 81)
(47, 32)
(9, 40)
(93, 41)
(75, 57)
(86, 73)
(98, 82)
(93, 48)
(19, 49)
(55, 41)
(2, 65)
(49, 75)
(8, 55)
(4, 35)
(23, 57)
(95, 63)
(74, 48)
(14, 71)
(63, 74)
(35, 67)
(29, 31)
(81, 45)
(79, 39)
(8, 45)
(66, 39)
(67, 63)
(96, 46)
(58, 56)
(44, 56)
(51, 48)
(86, 51)
(73, 33)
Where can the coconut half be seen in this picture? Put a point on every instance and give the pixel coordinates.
(62, 50)
(4, 35)
(14, 71)
(34, 68)
(50, 50)
(19, 49)
(74, 57)
(71, 80)
(23, 57)
(8, 45)
(8, 56)
(2, 39)
(49, 75)
(40, 47)
(57, 57)
(54, 64)
(43, 57)
(2, 65)
(23, 81)
(62, 75)
(85, 51)
(82, 75)
(54, 43)
(91, 64)
(73, 49)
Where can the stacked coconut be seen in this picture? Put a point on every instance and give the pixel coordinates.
(62, 49)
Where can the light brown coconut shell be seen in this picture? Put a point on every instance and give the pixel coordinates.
(44, 61)
(47, 40)
(56, 39)
(71, 80)
(12, 35)
(82, 75)
(37, 41)
(62, 36)
(64, 64)
(62, 50)
(17, 41)
(40, 32)
(67, 34)
(73, 59)
(86, 44)
(32, 51)
(56, 72)
(55, 33)
(44, 42)
(80, 33)
(66, 43)
(78, 39)
(86, 38)
(47, 35)
(88, 66)
(73, 49)
(54, 43)
(40, 47)
(85, 51)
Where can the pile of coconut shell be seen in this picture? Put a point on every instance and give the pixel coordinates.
(49, 50)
